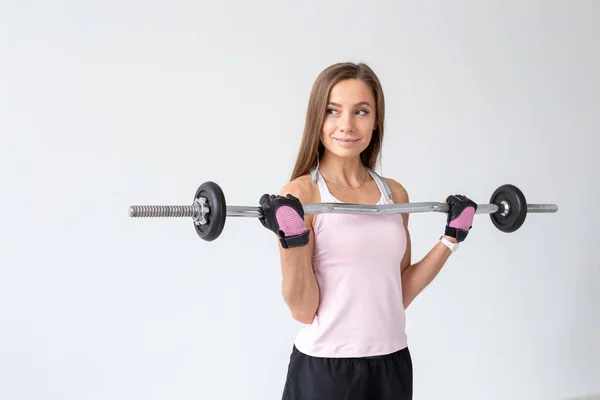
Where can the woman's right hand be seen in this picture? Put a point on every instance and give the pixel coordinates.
(285, 217)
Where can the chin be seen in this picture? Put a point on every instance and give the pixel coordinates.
(346, 152)
(342, 153)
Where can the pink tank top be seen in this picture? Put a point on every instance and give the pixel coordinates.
(356, 262)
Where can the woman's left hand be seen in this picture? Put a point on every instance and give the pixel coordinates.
(460, 216)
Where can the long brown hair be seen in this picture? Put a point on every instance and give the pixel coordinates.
(317, 108)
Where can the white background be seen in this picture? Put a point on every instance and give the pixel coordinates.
(111, 103)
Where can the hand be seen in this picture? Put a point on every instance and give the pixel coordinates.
(460, 216)
(285, 217)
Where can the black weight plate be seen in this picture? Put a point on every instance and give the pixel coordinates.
(215, 219)
(517, 208)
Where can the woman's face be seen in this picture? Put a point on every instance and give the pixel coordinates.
(350, 118)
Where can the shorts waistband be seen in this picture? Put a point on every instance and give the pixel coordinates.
(366, 358)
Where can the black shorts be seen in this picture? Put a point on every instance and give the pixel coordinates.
(388, 377)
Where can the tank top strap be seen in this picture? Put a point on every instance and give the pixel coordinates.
(383, 186)
(326, 196)
(314, 173)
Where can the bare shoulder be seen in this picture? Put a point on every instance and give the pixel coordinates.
(399, 193)
(303, 188)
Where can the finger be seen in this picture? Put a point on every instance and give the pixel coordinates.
(265, 198)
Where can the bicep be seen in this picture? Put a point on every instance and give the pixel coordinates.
(303, 193)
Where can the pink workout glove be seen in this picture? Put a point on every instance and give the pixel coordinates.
(460, 216)
(285, 217)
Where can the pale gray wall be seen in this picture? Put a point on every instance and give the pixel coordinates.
(110, 103)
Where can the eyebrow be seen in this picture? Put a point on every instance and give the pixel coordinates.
(362, 103)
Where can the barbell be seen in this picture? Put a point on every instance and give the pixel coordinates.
(508, 209)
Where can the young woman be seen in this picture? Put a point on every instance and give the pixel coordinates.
(349, 277)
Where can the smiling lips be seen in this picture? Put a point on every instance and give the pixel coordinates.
(346, 140)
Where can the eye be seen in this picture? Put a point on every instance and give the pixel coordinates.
(330, 111)
(363, 111)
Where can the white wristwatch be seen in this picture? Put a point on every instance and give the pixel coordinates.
(452, 246)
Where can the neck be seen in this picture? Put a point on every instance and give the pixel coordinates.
(348, 172)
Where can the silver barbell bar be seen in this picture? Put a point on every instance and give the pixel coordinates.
(194, 210)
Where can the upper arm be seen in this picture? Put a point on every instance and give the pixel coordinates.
(304, 191)
(399, 196)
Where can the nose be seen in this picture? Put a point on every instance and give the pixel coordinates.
(346, 122)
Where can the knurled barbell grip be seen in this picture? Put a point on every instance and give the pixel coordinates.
(163, 211)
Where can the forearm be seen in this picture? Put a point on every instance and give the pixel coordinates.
(417, 276)
(300, 289)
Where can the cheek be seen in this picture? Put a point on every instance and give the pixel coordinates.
(328, 126)
(367, 125)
